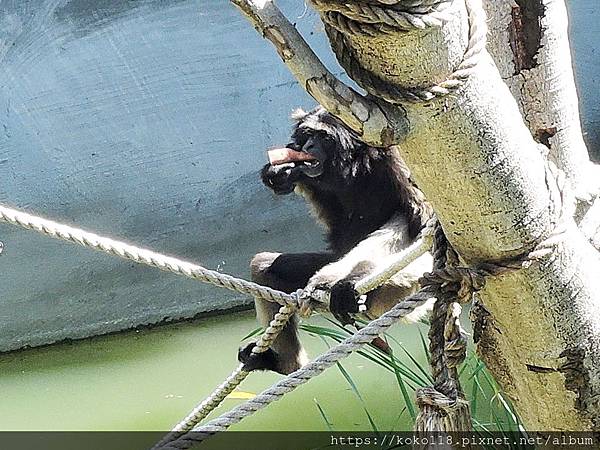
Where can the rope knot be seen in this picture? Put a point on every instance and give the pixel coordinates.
(295, 298)
(455, 347)
(429, 396)
(470, 281)
(439, 412)
(460, 281)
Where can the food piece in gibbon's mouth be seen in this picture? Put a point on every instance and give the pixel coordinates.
(286, 155)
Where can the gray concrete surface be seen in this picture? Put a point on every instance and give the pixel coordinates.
(585, 42)
(147, 120)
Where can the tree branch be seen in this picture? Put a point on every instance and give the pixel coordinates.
(374, 123)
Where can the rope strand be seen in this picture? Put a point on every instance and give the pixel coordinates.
(141, 255)
(397, 263)
(344, 20)
(289, 302)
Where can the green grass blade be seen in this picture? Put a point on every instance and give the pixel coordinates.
(371, 353)
(358, 395)
(473, 398)
(253, 333)
(428, 380)
(323, 331)
(396, 421)
(328, 423)
(407, 399)
(425, 344)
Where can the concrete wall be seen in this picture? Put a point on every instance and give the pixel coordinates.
(585, 42)
(147, 120)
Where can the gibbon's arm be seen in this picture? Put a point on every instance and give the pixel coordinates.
(366, 257)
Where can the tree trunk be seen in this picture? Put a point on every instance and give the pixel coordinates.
(479, 166)
(529, 43)
(473, 155)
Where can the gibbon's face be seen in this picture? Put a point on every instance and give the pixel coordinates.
(306, 159)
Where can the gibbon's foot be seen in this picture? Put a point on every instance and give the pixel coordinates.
(266, 360)
(343, 301)
(270, 360)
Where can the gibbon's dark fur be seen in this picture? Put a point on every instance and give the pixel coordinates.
(370, 208)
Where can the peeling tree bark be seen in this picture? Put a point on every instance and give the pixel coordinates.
(529, 43)
(477, 162)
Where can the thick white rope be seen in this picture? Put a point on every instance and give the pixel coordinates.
(170, 264)
(301, 376)
(396, 263)
(141, 255)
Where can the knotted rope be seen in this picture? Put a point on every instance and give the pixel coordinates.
(289, 302)
(141, 255)
(344, 20)
(399, 262)
(442, 406)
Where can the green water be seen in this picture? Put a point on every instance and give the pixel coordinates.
(150, 379)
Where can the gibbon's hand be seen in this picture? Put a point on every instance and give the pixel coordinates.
(315, 295)
(333, 288)
(344, 301)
